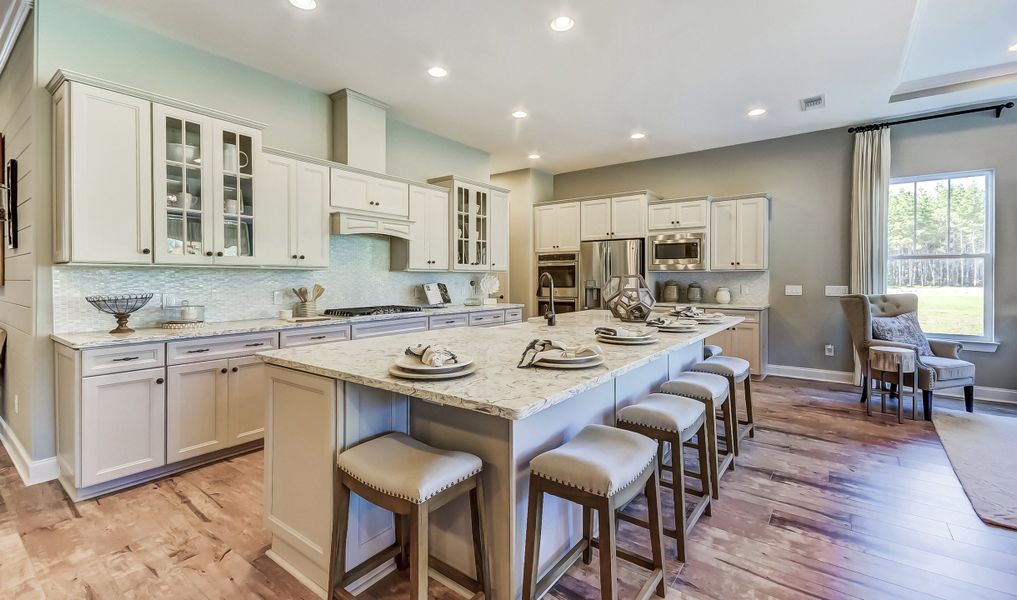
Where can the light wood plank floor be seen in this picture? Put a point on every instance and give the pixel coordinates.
(824, 503)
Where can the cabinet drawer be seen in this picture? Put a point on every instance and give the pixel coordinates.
(449, 321)
(513, 315)
(389, 327)
(222, 347)
(317, 335)
(122, 358)
(489, 317)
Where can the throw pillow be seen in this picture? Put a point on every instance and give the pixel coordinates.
(902, 328)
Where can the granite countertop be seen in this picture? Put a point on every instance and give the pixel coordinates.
(498, 387)
(715, 306)
(98, 339)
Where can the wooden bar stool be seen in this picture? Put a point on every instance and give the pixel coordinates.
(410, 479)
(735, 370)
(712, 391)
(673, 420)
(602, 469)
(897, 362)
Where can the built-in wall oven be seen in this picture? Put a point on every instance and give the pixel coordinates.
(563, 268)
(683, 251)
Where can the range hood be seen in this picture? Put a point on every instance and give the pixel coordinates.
(345, 223)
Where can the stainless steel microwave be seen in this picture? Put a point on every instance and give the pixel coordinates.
(685, 251)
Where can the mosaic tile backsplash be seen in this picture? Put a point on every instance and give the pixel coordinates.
(359, 275)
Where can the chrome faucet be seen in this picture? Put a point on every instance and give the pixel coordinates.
(549, 315)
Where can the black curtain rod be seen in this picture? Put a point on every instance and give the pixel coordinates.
(997, 107)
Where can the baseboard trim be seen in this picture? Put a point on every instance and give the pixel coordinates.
(809, 373)
(31, 471)
(988, 394)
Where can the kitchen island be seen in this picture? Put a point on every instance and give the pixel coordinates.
(323, 399)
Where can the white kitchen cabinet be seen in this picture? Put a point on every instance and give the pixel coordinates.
(122, 425)
(103, 176)
(472, 224)
(197, 409)
(739, 230)
(675, 214)
(389, 197)
(356, 191)
(499, 231)
(557, 227)
(613, 218)
(235, 209)
(246, 400)
(277, 189)
(427, 248)
(349, 190)
(309, 234)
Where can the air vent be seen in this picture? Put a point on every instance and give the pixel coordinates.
(813, 102)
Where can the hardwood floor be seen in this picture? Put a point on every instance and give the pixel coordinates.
(824, 503)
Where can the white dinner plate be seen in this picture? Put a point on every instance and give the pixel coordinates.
(410, 363)
(570, 359)
(583, 365)
(678, 329)
(397, 372)
(625, 337)
(627, 341)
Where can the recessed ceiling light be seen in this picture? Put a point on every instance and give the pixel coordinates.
(1013, 47)
(534, 156)
(638, 135)
(520, 114)
(757, 112)
(437, 72)
(305, 4)
(562, 23)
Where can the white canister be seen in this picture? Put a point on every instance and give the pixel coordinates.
(723, 295)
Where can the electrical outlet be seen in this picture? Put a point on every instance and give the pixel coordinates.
(836, 290)
(792, 290)
(279, 297)
(828, 350)
(17, 404)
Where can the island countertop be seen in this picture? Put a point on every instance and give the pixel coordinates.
(498, 387)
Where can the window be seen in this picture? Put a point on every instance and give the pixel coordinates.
(939, 246)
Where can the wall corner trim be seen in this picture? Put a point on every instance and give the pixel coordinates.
(31, 471)
(10, 27)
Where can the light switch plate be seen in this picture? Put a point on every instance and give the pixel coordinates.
(836, 290)
(792, 290)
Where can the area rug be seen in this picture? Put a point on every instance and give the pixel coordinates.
(983, 452)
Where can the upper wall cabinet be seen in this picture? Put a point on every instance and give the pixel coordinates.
(678, 214)
(103, 171)
(613, 218)
(479, 223)
(295, 234)
(739, 234)
(557, 227)
(363, 193)
(427, 248)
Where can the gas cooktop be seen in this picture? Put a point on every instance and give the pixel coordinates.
(370, 310)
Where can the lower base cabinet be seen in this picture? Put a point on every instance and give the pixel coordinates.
(747, 340)
(246, 405)
(123, 418)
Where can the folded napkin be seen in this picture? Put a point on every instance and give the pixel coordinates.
(432, 355)
(670, 323)
(540, 349)
(623, 331)
(690, 312)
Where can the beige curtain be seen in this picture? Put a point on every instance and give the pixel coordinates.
(870, 189)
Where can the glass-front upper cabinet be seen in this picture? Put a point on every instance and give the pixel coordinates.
(181, 179)
(472, 211)
(236, 217)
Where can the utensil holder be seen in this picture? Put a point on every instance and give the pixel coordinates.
(305, 309)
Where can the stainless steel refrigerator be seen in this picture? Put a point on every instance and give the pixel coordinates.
(599, 261)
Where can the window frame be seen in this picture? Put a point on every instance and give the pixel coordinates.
(987, 341)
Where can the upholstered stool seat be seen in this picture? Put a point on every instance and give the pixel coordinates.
(713, 391)
(710, 350)
(397, 465)
(674, 421)
(735, 370)
(410, 479)
(601, 469)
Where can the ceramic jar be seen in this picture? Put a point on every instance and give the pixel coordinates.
(723, 295)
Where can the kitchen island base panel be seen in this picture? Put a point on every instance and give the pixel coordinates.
(302, 408)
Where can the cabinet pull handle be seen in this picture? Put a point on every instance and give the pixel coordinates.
(450, 322)
(126, 359)
(159, 381)
(209, 253)
(294, 256)
(301, 257)
(146, 251)
(198, 351)
(235, 369)
(218, 253)
(254, 345)
(223, 370)
(318, 337)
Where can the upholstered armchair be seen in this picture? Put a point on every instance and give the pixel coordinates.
(942, 371)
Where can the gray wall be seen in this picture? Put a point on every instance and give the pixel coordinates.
(809, 178)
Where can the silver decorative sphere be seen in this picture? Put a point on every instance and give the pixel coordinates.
(629, 298)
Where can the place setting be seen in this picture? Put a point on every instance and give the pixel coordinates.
(627, 336)
(673, 325)
(431, 362)
(699, 316)
(555, 354)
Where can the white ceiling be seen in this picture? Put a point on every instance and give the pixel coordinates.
(683, 71)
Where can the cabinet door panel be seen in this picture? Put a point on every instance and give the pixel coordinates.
(277, 188)
(420, 242)
(745, 344)
(723, 236)
(499, 231)
(722, 339)
(196, 409)
(237, 212)
(438, 241)
(661, 217)
(595, 219)
(567, 225)
(349, 190)
(246, 400)
(628, 217)
(752, 233)
(691, 214)
(122, 425)
(545, 228)
(390, 197)
(312, 235)
(110, 177)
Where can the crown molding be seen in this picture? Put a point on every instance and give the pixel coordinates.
(10, 27)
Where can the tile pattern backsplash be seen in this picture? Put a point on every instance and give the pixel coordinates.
(359, 276)
(750, 287)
